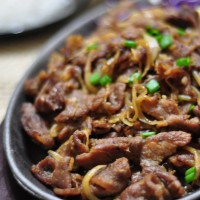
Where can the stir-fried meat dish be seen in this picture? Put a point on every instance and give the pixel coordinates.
(119, 111)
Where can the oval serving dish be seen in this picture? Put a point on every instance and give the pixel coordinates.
(19, 150)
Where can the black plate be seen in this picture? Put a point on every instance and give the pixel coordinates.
(73, 7)
(20, 152)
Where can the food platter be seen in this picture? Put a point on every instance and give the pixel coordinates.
(19, 150)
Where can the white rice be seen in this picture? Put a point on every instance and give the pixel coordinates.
(16, 15)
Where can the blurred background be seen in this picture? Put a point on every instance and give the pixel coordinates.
(25, 25)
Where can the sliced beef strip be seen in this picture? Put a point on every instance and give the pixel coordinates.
(68, 192)
(182, 159)
(181, 122)
(150, 187)
(61, 176)
(104, 151)
(44, 169)
(51, 99)
(160, 109)
(196, 111)
(170, 181)
(101, 126)
(162, 145)
(75, 107)
(35, 126)
(33, 86)
(112, 179)
(115, 99)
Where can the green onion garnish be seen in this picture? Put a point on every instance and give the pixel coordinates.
(165, 41)
(105, 80)
(147, 134)
(135, 75)
(192, 106)
(95, 78)
(183, 97)
(183, 62)
(190, 174)
(181, 31)
(152, 86)
(130, 43)
(152, 31)
(92, 47)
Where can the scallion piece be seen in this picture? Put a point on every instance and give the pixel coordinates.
(181, 31)
(152, 86)
(165, 41)
(147, 134)
(130, 43)
(92, 47)
(105, 80)
(183, 62)
(95, 78)
(192, 106)
(152, 31)
(135, 75)
(183, 97)
(190, 174)
(190, 170)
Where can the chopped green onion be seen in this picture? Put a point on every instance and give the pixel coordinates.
(183, 97)
(152, 86)
(105, 80)
(165, 41)
(181, 31)
(190, 170)
(192, 106)
(136, 75)
(147, 134)
(190, 174)
(130, 43)
(152, 31)
(183, 62)
(92, 47)
(95, 78)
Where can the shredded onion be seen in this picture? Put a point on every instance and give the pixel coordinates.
(198, 94)
(55, 129)
(86, 182)
(196, 76)
(55, 155)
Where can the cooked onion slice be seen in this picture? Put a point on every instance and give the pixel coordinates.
(196, 76)
(86, 182)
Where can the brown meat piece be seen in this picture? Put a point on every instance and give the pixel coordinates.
(61, 177)
(150, 187)
(181, 122)
(170, 181)
(68, 192)
(80, 142)
(115, 99)
(196, 111)
(160, 109)
(75, 107)
(101, 126)
(186, 17)
(162, 145)
(35, 126)
(182, 159)
(33, 86)
(104, 151)
(50, 99)
(44, 169)
(111, 180)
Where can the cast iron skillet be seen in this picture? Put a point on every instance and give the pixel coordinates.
(20, 152)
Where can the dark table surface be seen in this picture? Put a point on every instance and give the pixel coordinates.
(9, 188)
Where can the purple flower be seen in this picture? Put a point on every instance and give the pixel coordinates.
(176, 3)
